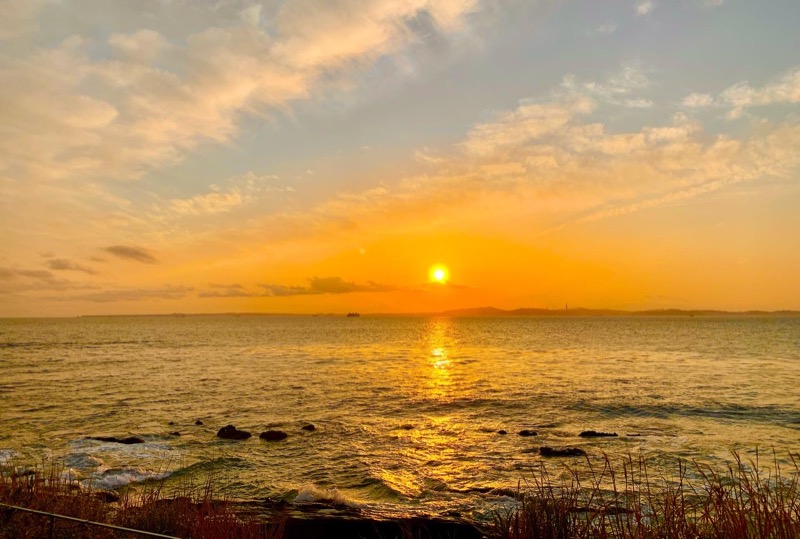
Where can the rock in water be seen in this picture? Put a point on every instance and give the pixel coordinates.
(527, 432)
(129, 440)
(309, 427)
(547, 451)
(198, 423)
(175, 433)
(502, 431)
(596, 434)
(273, 435)
(229, 432)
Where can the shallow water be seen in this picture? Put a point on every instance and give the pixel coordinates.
(407, 409)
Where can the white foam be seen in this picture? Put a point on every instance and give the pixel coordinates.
(313, 493)
(6, 455)
(119, 477)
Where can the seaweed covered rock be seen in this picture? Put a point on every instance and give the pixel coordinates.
(273, 435)
(127, 440)
(547, 451)
(596, 434)
(229, 432)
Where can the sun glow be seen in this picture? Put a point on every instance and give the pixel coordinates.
(439, 274)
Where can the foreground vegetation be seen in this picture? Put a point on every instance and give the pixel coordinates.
(597, 500)
(624, 502)
(188, 512)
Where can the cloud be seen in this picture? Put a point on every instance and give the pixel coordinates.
(15, 280)
(235, 192)
(62, 264)
(130, 252)
(167, 292)
(604, 29)
(549, 162)
(86, 110)
(325, 285)
(234, 290)
(619, 89)
(698, 100)
(644, 8)
(742, 96)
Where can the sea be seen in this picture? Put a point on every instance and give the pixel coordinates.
(409, 413)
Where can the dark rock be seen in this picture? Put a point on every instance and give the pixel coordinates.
(309, 427)
(502, 431)
(406, 427)
(527, 432)
(107, 496)
(596, 434)
(229, 432)
(547, 451)
(131, 440)
(171, 423)
(175, 433)
(273, 435)
(128, 440)
(198, 423)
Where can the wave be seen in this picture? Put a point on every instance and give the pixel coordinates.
(313, 493)
(120, 477)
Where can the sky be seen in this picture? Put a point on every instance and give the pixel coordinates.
(312, 156)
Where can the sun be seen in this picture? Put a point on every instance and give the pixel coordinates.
(439, 274)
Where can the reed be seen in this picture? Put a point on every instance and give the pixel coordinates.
(624, 501)
(188, 510)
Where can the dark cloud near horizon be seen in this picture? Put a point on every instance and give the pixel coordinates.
(13, 280)
(63, 264)
(325, 285)
(131, 252)
(217, 285)
(167, 292)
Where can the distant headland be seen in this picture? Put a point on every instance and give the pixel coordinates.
(496, 312)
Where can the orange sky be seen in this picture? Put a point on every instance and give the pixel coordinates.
(305, 156)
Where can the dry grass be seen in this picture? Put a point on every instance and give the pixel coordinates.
(597, 501)
(747, 501)
(188, 511)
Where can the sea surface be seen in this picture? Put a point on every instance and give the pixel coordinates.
(407, 409)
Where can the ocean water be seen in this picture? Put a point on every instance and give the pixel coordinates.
(406, 409)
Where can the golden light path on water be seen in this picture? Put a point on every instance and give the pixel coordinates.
(407, 410)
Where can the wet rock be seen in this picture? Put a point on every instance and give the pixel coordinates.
(127, 440)
(171, 423)
(273, 435)
(229, 432)
(502, 431)
(107, 496)
(175, 433)
(198, 423)
(596, 434)
(309, 427)
(527, 432)
(406, 427)
(547, 451)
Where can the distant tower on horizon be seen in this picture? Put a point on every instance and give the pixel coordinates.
(566, 307)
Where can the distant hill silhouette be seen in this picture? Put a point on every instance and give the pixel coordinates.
(580, 311)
